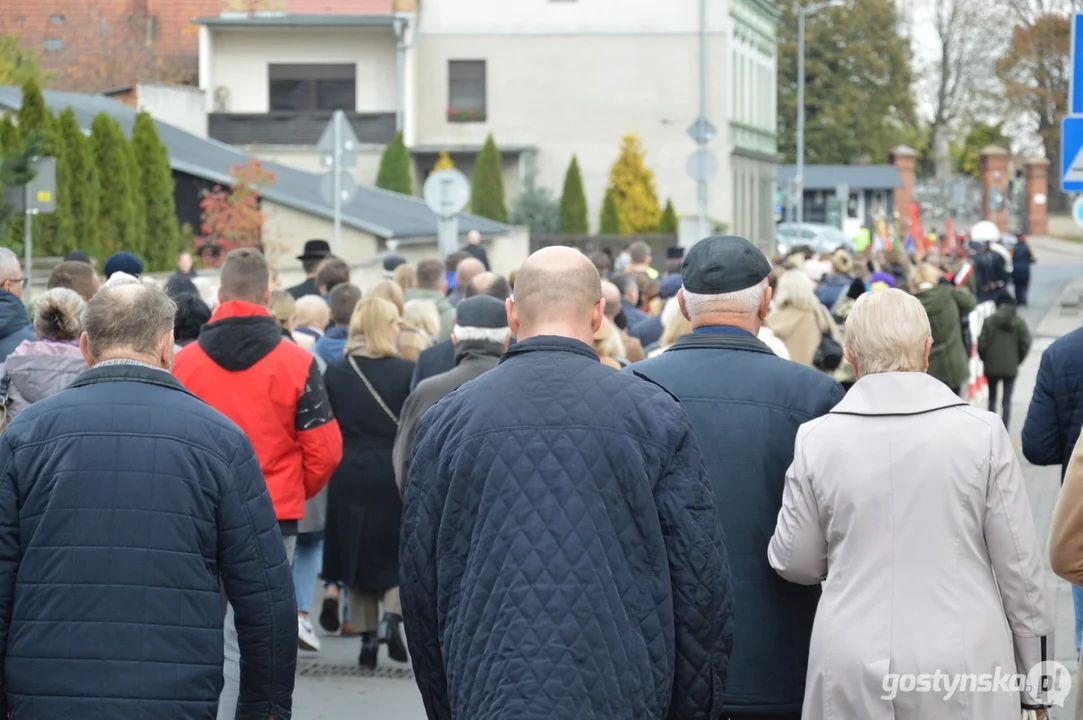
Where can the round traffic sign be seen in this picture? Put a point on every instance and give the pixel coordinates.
(347, 186)
(1077, 211)
(703, 166)
(447, 192)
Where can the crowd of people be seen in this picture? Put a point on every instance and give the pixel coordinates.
(593, 487)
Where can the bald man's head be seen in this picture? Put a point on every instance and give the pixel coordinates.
(611, 293)
(557, 291)
(466, 271)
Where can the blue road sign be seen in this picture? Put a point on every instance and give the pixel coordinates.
(1071, 154)
(1075, 88)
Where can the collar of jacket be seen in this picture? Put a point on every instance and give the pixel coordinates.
(239, 335)
(473, 349)
(550, 343)
(129, 373)
(897, 393)
(717, 341)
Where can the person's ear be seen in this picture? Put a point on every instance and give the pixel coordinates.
(165, 351)
(513, 315)
(454, 340)
(765, 302)
(849, 357)
(598, 315)
(84, 348)
(682, 305)
(220, 298)
(925, 355)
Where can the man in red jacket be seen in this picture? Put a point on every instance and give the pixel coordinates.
(273, 390)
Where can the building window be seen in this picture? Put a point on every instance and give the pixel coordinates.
(56, 19)
(313, 87)
(466, 91)
(53, 44)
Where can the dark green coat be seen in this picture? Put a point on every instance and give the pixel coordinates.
(1004, 342)
(946, 305)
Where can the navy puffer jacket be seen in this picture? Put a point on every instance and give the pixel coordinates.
(561, 554)
(1056, 408)
(125, 505)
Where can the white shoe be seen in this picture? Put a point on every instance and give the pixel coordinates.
(306, 636)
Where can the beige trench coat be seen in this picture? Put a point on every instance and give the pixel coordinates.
(912, 505)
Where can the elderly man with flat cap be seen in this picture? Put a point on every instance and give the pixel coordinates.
(746, 405)
(561, 551)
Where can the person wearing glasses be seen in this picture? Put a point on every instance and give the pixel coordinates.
(15, 324)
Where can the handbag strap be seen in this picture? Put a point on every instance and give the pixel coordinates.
(375, 395)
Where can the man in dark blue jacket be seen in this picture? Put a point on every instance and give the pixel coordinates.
(746, 405)
(561, 554)
(126, 504)
(15, 326)
(1053, 421)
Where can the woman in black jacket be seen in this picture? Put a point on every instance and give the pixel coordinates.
(367, 389)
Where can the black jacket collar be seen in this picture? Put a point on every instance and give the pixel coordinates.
(470, 349)
(550, 343)
(129, 373)
(721, 342)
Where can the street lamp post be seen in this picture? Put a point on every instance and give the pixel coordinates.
(802, 13)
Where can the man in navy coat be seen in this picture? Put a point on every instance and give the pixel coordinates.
(746, 405)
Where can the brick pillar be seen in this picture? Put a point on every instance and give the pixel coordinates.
(1036, 171)
(994, 174)
(905, 161)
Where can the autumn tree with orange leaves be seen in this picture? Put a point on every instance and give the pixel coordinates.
(231, 217)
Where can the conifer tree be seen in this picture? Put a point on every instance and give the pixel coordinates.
(116, 209)
(633, 188)
(155, 185)
(395, 172)
(573, 202)
(487, 195)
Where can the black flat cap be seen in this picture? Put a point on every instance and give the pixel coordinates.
(481, 311)
(723, 264)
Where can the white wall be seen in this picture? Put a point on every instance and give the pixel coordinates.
(241, 57)
(286, 230)
(305, 157)
(178, 105)
(564, 16)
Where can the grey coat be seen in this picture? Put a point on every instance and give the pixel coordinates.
(39, 369)
(472, 359)
(927, 543)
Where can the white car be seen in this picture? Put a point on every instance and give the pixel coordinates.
(821, 238)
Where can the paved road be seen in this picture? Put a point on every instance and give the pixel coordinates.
(330, 688)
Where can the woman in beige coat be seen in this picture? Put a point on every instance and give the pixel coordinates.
(800, 319)
(911, 504)
(1066, 535)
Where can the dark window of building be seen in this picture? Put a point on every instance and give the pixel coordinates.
(466, 83)
(313, 87)
(56, 19)
(53, 44)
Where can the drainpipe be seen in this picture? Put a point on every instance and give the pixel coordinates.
(400, 35)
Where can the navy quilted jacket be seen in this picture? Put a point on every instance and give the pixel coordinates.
(561, 553)
(125, 504)
(1056, 408)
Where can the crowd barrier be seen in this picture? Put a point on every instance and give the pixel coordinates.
(977, 386)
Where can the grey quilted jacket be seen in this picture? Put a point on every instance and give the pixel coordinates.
(38, 369)
(562, 556)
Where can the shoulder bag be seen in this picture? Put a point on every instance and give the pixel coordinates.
(372, 390)
(828, 355)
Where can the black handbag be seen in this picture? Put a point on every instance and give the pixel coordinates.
(828, 355)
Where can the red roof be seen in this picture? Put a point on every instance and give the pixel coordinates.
(339, 7)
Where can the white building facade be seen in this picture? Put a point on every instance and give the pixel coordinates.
(550, 79)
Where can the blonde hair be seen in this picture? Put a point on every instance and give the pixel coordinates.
(795, 290)
(924, 277)
(283, 309)
(391, 292)
(422, 315)
(678, 325)
(311, 311)
(887, 331)
(370, 328)
(607, 341)
(842, 263)
(57, 315)
(406, 277)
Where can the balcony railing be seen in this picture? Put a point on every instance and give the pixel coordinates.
(295, 128)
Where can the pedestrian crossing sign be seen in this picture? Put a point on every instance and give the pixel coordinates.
(1071, 154)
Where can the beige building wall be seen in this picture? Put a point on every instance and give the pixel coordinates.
(241, 56)
(305, 157)
(286, 230)
(573, 78)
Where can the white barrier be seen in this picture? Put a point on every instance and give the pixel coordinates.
(977, 386)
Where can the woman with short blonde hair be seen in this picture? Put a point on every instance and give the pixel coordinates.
(909, 506)
(311, 318)
(420, 325)
(367, 389)
(390, 291)
(406, 277)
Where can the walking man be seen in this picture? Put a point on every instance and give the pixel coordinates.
(746, 419)
(125, 502)
(561, 554)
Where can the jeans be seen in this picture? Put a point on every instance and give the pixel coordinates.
(231, 667)
(1009, 386)
(1077, 600)
(306, 568)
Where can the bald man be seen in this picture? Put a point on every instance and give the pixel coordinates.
(467, 269)
(561, 554)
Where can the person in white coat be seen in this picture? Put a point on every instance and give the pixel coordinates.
(910, 504)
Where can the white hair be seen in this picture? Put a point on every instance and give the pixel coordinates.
(747, 300)
(886, 331)
(795, 290)
(497, 336)
(9, 265)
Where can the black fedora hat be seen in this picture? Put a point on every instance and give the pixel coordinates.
(315, 250)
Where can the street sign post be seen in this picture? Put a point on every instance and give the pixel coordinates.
(447, 193)
(1077, 212)
(338, 150)
(1071, 149)
(702, 131)
(1075, 87)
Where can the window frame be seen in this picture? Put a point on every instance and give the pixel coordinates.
(456, 111)
(310, 75)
